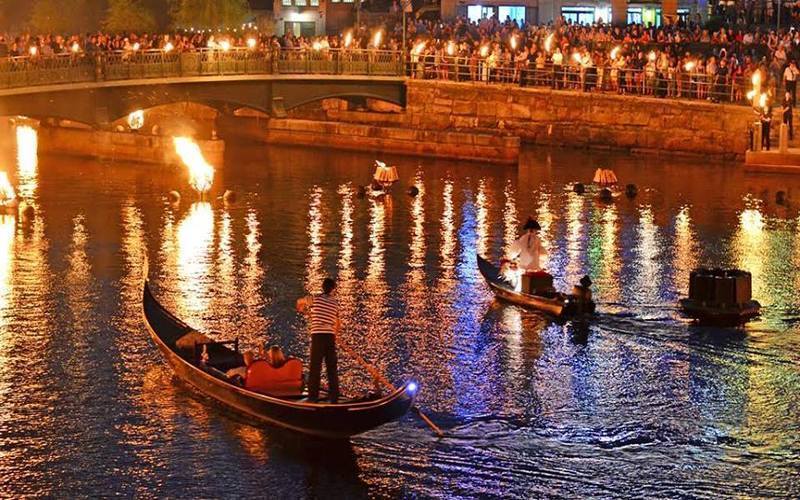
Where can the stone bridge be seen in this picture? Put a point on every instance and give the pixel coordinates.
(98, 91)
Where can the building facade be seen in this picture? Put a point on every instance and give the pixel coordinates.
(576, 11)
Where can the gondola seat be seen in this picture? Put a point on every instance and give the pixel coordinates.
(286, 380)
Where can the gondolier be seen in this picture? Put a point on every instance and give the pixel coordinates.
(528, 250)
(323, 326)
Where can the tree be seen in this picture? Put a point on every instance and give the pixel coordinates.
(59, 16)
(128, 16)
(211, 14)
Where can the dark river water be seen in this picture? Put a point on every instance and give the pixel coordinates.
(638, 403)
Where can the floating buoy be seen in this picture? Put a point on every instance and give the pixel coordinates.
(578, 188)
(174, 197)
(229, 196)
(605, 194)
(413, 191)
(780, 198)
(631, 191)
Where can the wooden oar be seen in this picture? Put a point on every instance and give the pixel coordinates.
(379, 377)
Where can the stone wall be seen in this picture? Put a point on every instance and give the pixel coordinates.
(466, 145)
(571, 119)
(121, 146)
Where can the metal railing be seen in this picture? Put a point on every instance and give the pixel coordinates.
(36, 70)
(629, 81)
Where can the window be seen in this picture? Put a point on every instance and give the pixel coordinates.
(300, 3)
(578, 15)
(477, 12)
(634, 16)
(313, 3)
(514, 13)
(286, 3)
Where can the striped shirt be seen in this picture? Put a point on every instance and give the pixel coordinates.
(324, 314)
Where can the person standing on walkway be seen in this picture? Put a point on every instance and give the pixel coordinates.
(324, 325)
(766, 120)
(790, 75)
(788, 119)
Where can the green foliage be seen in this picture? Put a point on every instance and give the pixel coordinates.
(59, 16)
(128, 15)
(212, 14)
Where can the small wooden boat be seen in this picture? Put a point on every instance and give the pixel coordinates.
(341, 420)
(556, 304)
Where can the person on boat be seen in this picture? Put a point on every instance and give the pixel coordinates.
(527, 251)
(324, 325)
(275, 357)
(239, 374)
(583, 292)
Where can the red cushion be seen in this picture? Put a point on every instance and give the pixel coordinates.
(284, 381)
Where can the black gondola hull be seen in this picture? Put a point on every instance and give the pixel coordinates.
(558, 306)
(335, 421)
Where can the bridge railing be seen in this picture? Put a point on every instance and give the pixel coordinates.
(143, 64)
(31, 71)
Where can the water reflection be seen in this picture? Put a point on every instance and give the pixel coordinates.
(685, 259)
(482, 203)
(603, 252)
(649, 276)
(7, 230)
(27, 161)
(749, 243)
(315, 235)
(448, 223)
(194, 245)
(509, 218)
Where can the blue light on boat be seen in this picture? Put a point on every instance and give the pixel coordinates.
(412, 387)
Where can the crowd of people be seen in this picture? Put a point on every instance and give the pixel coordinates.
(681, 60)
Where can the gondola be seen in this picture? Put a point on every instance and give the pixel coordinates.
(555, 304)
(341, 420)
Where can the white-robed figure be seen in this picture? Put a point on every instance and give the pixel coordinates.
(526, 252)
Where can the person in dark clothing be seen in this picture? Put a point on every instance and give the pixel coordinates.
(766, 121)
(788, 119)
(324, 325)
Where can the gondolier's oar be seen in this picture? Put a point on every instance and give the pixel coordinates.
(379, 377)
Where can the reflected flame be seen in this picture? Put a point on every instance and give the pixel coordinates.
(315, 234)
(201, 173)
(195, 237)
(509, 218)
(7, 194)
(685, 260)
(7, 229)
(448, 227)
(27, 159)
(482, 203)
(417, 245)
(346, 228)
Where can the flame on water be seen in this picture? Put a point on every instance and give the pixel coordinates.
(7, 193)
(201, 173)
(27, 148)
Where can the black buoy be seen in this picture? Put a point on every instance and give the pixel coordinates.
(631, 191)
(578, 188)
(780, 198)
(413, 191)
(605, 194)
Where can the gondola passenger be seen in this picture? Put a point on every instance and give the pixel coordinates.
(239, 374)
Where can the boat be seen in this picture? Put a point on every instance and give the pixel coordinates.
(553, 303)
(206, 374)
(720, 297)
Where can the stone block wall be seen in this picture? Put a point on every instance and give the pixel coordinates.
(570, 119)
